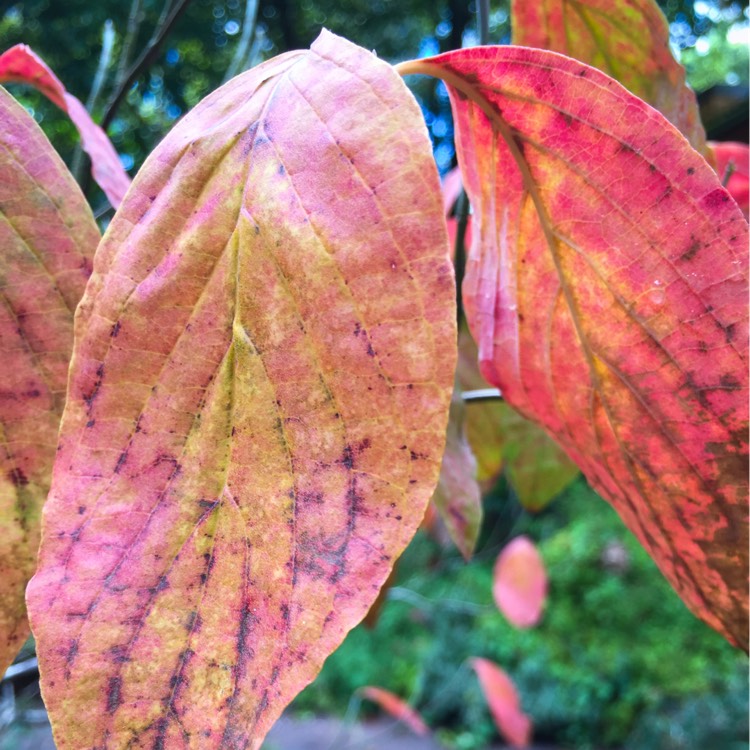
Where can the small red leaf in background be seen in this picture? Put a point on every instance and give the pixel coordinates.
(606, 288)
(20, 64)
(47, 241)
(458, 497)
(397, 708)
(519, 583)
(732, 158)
(627, 39)
(504, 704)
(257, 407)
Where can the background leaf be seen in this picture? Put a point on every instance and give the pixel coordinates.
(519, 583)
(20, 64)
(504, 703)
(397, 708)
(500, 437)
(257, 407)
(606, 288)
(627, 39)
(47, 240)
(458, 496)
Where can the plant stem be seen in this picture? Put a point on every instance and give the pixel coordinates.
(135, 18)
(483, 21)
(240, 54)
(169, 17)
(482, 394)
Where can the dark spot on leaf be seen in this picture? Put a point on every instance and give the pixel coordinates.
(17, 477)
(115, 330)
(113, 694)
(691, 170)
(692, 249)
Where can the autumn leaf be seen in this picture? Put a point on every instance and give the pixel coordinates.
(505, 706)
(606, 288)
(397, 708)
(537, 468)
(732, 164)
(47, 237)
(458, 497)
(256, 412)
(519, 583)
(627, 39)
(20, 64)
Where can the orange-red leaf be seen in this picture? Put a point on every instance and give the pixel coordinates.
(47, 240)
(606, 288)
(504, 703)
(20, 64)
(458, 497)
(397, 708)
(256, 412)
(520, 583)
(733, 167)
(627, 39)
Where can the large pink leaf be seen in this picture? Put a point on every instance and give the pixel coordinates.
(627, 39)
(397, 708)
(504, 703)
(47, 240)
(606, 288)
(520, 583)
(256, 411)
(20, 64)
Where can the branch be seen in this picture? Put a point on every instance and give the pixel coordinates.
(483, 21)
(482, 394)
(135, 18)
(248, 26)
(169, 17)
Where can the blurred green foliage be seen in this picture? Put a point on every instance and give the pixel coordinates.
(617, 661)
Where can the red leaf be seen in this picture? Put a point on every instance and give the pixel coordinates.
(627, 39)
(20, 64)
(607, 290)
(520, 583)
(48, 238)
(397, 708)
(732, 159)
(505, 706)
(257, 407)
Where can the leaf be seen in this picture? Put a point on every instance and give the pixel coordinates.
(501, 696)
(536, 466)
(47, 240)
(458, 497)
(520, 583)
(627, 39)
(20, 64)
(256, 411)
(734, 170)
(606, 288)
(397, 708)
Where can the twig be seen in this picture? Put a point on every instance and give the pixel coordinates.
(135, 18)
(483, 21)
(728, 172)
(169, 17)
(80, 160)
(482, 394)
(459, 256)
(248, 26)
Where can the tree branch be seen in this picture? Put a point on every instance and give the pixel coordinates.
(169, 17)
